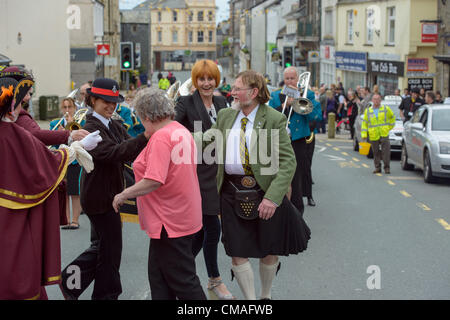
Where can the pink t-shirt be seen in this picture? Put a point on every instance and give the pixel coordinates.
(169, 158)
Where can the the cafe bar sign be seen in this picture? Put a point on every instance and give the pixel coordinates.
(395, 68)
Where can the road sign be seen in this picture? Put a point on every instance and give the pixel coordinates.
(103, 49)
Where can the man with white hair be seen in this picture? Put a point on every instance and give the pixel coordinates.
(300, 132)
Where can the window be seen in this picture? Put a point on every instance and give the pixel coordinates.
(391, 25)
(200, 36)
(190, 16)
(190, 37)
(175, 16)
(159, 36)
(210, 36)
(200, 16)
(175, 36)
(210, 16)
(370, 18)
(350, 26)
(159, 16)
(328, 22)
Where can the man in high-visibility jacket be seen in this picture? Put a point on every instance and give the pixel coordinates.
(378, 121)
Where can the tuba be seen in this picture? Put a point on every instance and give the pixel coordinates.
(301, 105)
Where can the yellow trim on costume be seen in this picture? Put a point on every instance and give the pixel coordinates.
(17, 205)
(35, 297)
(129, 167)
(132, 203)
(55, 278)
(132, 218)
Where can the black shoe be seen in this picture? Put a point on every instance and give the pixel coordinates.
(311, 202)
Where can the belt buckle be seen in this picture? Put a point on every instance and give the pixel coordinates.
(248, 182)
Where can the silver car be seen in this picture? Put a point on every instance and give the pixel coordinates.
(426, 142)
(395, 135)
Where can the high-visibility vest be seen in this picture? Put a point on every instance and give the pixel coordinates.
(164, 84)
(377, 126)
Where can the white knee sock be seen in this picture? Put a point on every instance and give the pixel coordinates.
(245, 279)
(267, 274)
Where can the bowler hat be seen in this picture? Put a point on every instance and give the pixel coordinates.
(106, 89)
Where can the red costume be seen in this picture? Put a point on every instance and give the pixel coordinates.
(30, 210)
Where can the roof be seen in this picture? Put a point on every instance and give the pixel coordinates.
(4, 59)
(172, 4)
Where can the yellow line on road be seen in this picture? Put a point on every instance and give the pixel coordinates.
(328, 144)
(365, 165)
(336, 148)
(355, 159)
(405, 194)
(345, 153)
(392, 183)
(423, 206)
(379, 174)
(443, 223)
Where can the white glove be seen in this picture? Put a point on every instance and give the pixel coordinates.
(76, 152)
(91, 141)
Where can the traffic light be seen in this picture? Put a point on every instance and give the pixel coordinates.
(287, 57)
(137, 55)
(126, 56)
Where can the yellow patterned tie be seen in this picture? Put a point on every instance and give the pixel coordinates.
(243, 149)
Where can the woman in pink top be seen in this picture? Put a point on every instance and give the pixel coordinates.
(168, 198)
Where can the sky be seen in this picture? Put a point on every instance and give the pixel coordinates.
(222, 13)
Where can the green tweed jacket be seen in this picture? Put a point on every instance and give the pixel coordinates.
(272, 158)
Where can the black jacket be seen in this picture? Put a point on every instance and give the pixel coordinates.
(99, 187)
(189, 109)
(408, 106)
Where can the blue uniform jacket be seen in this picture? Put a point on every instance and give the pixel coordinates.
(131, 121)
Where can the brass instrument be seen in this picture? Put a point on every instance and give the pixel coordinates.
(60, 120)
(310, 138)
(185, 89)
(301, 105)
(77, 119)
(173, 90)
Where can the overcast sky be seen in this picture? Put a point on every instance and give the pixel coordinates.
(222, 13)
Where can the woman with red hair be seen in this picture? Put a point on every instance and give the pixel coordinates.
(202, 107)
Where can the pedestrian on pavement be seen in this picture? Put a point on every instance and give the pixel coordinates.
(258, 221)
(101, 262)
(439, 97)
(377, 122)
(352, 111)
(163, 83)
(367, 98)
(203, 107)
(321, 125)
(409, 105)
(31, 204)
(26, 121)
(430, 97)
(168, 197)
(68, 109)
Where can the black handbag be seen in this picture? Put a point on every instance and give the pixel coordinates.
(247, 203)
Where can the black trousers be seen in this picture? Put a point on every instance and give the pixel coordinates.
(100, 262)
(301, 181)
(307, 179)
(171, 269)
(208, 240)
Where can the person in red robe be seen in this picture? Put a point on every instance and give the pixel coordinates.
(31, 206)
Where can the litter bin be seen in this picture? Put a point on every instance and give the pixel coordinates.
(48, 107)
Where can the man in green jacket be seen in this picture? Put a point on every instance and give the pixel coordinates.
(256, 164)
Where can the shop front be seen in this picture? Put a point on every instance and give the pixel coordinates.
(385, 74)
(351, 68)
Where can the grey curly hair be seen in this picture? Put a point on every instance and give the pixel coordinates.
(153, 103)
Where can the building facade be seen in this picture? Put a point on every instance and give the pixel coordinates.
(38, 43)
(382, 42)
(443, 49)
(181, 32)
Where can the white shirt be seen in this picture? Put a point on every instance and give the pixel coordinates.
(102, 119)
(233, 164)
(212, 109)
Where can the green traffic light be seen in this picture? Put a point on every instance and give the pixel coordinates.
(288, 65)
(126, 64)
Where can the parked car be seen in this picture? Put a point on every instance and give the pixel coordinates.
(395, 135)
(426, 142)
